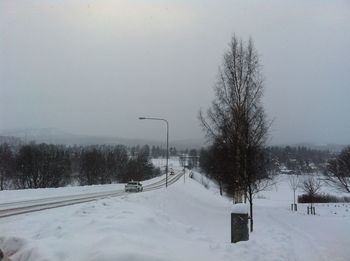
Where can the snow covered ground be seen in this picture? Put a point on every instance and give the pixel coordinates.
(184, 222)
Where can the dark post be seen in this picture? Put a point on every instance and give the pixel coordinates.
(239, 227)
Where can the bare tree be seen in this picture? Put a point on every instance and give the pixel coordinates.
(311, 186)
(92, 167)
(41, 166)
(338, 171)
(237, 120)
(294, 183)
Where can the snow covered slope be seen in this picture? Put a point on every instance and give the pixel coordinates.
(184, 222)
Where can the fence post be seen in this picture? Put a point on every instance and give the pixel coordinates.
(294, 207)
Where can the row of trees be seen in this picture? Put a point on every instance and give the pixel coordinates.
(337, 172)
(334, 171)
(299, 159)
(189, 159)
(43, 165)
(155, 151)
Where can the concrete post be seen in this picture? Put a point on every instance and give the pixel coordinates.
(239, 227)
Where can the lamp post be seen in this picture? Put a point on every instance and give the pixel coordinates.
(167, 143)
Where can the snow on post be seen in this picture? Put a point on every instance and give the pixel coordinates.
(240, 208)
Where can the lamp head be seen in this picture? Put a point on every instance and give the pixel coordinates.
(142, 118)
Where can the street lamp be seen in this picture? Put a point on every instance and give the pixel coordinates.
(167, 143)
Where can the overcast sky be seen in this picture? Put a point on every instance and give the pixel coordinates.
(93, 67)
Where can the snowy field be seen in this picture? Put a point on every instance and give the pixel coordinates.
(184, 222)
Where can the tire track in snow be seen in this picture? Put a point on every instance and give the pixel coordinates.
(303, 243)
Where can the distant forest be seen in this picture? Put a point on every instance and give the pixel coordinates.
(46, 165)
(288, 160)
(42, 165)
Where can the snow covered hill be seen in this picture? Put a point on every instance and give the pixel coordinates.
(184, 222)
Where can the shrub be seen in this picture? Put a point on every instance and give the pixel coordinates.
(322, 198)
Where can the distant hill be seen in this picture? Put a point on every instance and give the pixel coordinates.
(10, 140)
(329, 147)
(57, 136)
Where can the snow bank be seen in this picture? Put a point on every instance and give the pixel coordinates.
(183, 222)
(20, 249)
(205, 181)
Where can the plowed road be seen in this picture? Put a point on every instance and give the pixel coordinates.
(27, 206)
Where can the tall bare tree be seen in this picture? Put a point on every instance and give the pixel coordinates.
(237, 119)
(338, 171)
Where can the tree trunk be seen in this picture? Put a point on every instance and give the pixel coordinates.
(294, 196)
(251, 209)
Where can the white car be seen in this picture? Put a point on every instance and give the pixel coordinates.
(133, 186)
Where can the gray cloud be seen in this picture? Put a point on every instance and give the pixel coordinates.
(93, 67)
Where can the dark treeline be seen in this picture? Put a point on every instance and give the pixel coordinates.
(213, 163)
(155, 151)
(299, 159)
(42, 165)
(189, 158)
(159, 152)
